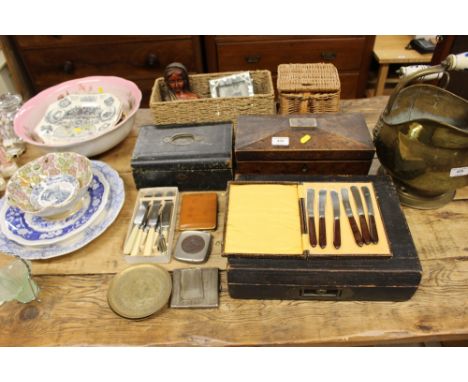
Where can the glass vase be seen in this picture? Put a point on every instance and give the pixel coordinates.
(9, 106)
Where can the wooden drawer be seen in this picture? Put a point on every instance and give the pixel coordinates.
(41, 42)
(139, 59)
(129, 60)
(357, 167)
(237, 53)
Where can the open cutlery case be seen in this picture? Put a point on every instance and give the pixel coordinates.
(271, 253)
(151, 230)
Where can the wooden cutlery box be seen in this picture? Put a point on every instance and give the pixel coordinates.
(190, 157)
(272, 257)
(312, 144)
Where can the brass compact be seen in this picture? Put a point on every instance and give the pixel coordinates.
(421, 138)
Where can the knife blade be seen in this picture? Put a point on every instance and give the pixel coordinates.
(370, 213)
(336, 219)
(310, 213)
(151, 228)
(137, 221)
(352, 221)
(362, 217)
(322, 228)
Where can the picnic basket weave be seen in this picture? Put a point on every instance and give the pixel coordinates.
(308, 88)
(207, 109)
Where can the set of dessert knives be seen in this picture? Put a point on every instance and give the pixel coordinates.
(366, 234)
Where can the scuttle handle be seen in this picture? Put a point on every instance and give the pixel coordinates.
(456, 61)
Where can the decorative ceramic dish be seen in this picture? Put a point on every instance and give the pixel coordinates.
(56, 190)
(97, 227)
(31, 230)
(78, 116)
(32, 111)
(51, 184)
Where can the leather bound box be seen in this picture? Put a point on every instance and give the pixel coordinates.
(317, 144)
(190, 157)
(198, 211)
(320, 274)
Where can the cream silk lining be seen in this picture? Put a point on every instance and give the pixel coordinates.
(264, 219)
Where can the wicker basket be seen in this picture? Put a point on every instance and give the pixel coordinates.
(308, 88)
(207, 109)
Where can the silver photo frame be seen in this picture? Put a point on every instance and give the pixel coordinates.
(235, 85)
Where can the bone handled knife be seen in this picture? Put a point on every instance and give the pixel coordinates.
(321, 209)
(362, 217)
(166, 214)
(336, 219)
(310, 213)
(137, 221)
(151, 228)
(370, 213)
(141, 235)
(349, 213)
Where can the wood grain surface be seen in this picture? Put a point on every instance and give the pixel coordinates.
(73, 309)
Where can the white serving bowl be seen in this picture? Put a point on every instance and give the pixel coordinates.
(34, 109)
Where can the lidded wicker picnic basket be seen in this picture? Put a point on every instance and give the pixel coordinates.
(207, 109)
(308, 88)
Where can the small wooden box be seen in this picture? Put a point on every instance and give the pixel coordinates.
(320, 274)
(190, 157)
(338, 144)
(308, 88)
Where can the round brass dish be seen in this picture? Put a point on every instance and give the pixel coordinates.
(139, 291)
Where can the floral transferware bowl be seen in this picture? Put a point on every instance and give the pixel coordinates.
(51, 184)
(32, 111)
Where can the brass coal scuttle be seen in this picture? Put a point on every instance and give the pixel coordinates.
(421, 138)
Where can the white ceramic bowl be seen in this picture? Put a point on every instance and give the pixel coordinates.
(50, 185)
(33, 110)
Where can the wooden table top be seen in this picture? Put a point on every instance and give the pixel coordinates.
(73, 307)
(391, 50)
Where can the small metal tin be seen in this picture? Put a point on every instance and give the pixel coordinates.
(139, 291)
(195, 288)
(193, 246)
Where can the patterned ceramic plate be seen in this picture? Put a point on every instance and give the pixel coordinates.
(97, 227)
(79, 116)
(30, 230)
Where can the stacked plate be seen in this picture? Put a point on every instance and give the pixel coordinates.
(77, 117)
(38, 237)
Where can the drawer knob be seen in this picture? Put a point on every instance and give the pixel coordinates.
(68, 67)
(152, 60)
(304, 168)
(252, 59)
(328, 55)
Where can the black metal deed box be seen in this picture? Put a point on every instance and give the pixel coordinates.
(190, 157)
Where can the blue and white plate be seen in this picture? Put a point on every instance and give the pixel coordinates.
(97, 226)
(31, 230)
